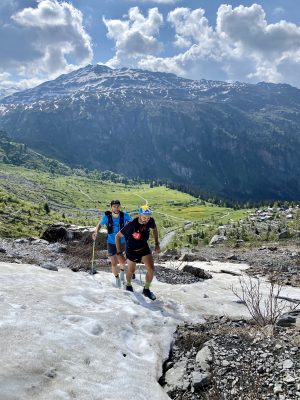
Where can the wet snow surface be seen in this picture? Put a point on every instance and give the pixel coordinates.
(67, 335)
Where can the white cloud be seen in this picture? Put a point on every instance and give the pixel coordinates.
(247, 28)
(242, 45)
(42, 40)
(134, 37)
(266, 46)
(190, 24)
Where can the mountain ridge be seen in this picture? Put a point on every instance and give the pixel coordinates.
(236, 140)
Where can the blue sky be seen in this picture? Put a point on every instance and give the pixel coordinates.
(236, 40)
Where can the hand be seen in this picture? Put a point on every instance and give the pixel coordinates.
(120, 256)
(157, 248)
(94, 235)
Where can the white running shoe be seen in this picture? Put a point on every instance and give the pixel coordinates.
(122, 276)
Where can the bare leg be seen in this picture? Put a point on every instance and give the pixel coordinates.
(131, 270)
(148, 261)
(114, 265)
(122, 261)
(149, 264)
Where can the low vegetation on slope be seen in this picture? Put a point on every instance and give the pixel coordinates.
(32, 199)
(36, 191)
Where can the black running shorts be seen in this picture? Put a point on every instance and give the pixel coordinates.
(137, 255)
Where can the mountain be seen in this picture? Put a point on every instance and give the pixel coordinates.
(237, 140)
(20, 154)
(7, 91)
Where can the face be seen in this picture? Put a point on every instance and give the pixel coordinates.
(115, 208)
(144, 218)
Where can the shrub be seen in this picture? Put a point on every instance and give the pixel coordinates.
(264, 310)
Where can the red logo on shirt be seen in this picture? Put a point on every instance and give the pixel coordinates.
(136, 235)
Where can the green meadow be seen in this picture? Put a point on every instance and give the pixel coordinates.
(30, 200)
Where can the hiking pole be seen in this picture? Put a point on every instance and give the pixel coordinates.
(93, 257)
(140, 274)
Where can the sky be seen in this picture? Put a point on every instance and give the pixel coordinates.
(66, 335)
(229, 41)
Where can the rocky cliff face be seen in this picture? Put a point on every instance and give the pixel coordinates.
(236, 140)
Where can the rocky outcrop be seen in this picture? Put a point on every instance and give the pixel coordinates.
(227, 359)
(65, 233)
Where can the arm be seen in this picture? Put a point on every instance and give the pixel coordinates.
(118, 242)
(155, 235)
(97, 230)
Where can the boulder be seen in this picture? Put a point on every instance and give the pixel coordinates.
(204, 358)
(217, 239)
(55, 234)
(200, 381)
(50, 266)
(174, 377)
(199, 272)
(64, 233)
(284, 235)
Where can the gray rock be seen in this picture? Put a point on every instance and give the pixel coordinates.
(200, 381)
(284, 235)
(204, 358)
(286, 321)
(232, 257)
(39, 241)
(174, 377)
(289, 379)
(58, 248)
(287, 364)
(22, 240)
(199, 272)
(216, 239)
(49, 266)
(277, 388)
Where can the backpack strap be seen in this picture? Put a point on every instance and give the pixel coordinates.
(110, 222)
(121, 224)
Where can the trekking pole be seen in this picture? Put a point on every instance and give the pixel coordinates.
(140, 274)
(93, 257)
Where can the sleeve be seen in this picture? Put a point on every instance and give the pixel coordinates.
(152, 223)
(127, 229)
(104, 220)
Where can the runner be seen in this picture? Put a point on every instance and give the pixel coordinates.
(136, 235)
(114, 220)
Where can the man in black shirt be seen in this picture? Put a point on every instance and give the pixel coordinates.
(136, 234)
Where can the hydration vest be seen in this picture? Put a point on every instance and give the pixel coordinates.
(110, 222)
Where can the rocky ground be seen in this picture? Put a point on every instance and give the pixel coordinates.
(234, 360)
(280, 258)
(221, 359)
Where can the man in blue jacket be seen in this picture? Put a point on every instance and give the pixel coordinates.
(114, 221)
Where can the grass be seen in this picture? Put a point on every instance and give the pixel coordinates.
(81, 200)
(76, 199)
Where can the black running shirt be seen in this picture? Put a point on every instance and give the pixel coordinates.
(136, 234)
